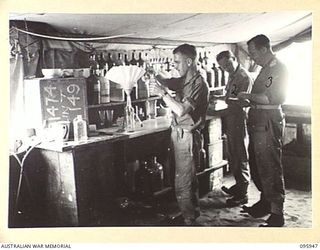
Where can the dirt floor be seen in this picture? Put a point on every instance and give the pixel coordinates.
(298, 209)
(214, 212)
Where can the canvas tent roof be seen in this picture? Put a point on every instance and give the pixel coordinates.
(202, 29)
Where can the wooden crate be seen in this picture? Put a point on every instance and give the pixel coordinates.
(215, 179)
(213, 130)
(214, 153)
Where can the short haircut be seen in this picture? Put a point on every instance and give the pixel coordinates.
(224, 54)
(260, 41)
(186, 50)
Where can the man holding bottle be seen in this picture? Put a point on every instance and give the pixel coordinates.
(189, 107)
(238, 81)
(265, 126)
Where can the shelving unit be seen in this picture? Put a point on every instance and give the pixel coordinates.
(162, 191)
(147, 104)
(112, 104)
(213, 168)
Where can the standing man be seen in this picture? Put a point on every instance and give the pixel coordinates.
(266, 126)
(189, 107)
(238, 81)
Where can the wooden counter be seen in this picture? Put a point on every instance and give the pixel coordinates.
(108, 135)
(83, 180)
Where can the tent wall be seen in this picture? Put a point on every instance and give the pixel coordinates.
(41, 53)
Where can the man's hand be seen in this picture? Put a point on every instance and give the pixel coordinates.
(156, 88)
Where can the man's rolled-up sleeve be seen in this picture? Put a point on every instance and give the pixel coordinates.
(198, 94)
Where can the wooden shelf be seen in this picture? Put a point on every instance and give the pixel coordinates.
(212, 168)
(163, 191)
(111, 104)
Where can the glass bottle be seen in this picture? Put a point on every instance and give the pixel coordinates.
(80, 129)
(142, 180)
(126, 61)
(110, 61)
(156, 173)
(96, 86)
(104, 85)
(147, 61)
(223, 79)
(200, 60)
(119, 61)
(133, 61)
(205, 58)
(91, 81)
(129, 121)
(140, 61)
(209, 71)
(92, 62)
(216, 75)
(101, 61)
(167, 63)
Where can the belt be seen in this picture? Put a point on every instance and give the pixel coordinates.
(261, 106)
(189, 129)
(184, 128)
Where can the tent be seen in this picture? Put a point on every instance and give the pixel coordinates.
(169, 29)
(51, 33)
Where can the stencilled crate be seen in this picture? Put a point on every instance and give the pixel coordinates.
(215, 153)
(216, 178)
(214, 130)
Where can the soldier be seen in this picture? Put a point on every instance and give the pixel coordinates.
(189, 107)
(266, 126)
(238, 81)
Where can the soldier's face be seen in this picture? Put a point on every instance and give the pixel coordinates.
(181, 63)
(228, 64)
(255, 54)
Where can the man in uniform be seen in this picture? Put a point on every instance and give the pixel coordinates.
(189, 107)
(238, 81)
(265, 126)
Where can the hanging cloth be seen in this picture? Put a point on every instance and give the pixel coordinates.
(17, 118)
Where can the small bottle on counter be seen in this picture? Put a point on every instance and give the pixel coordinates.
(80, 129)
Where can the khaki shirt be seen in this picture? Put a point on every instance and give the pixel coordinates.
(272, 81)
(196, 93)
(239, 81)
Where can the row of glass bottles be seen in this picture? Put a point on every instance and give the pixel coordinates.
(100, 62)
(216, 77)
(99, 87)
